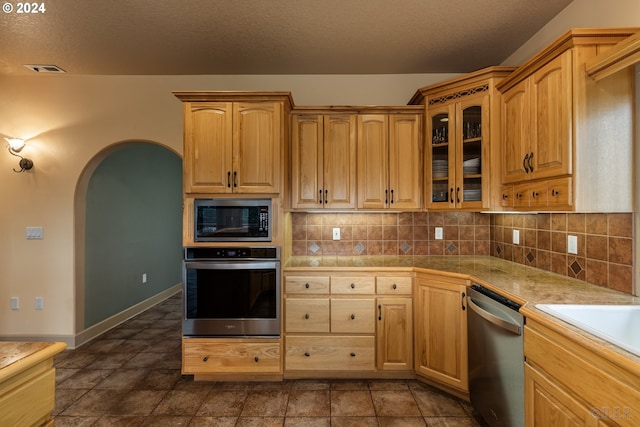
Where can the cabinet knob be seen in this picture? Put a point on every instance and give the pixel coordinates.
(518, 196)
(535, 194)
(394, 286)
(256, 359)
(353, 316)
(554, 193)
(307, 354)
(204, 359)
(505, 197)
(353, 355)
(306, 285)
(353, 286)
(306, 316)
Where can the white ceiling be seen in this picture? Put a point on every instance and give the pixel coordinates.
(188, 37)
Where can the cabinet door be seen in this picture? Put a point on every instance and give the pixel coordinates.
(307, 161)
(256, 149)
(405, 161)
(440, 163)
(373, 154)
(207, 147)
(551, 118)
(394, 334)
(546, 404)
(339, 161)
(515, 133)
(441, 331)
(472, 153)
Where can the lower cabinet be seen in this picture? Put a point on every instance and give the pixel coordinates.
(230, 356)
(337, 322)
(569, 384)
(441, 331)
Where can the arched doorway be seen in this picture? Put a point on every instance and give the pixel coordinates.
(128, 232)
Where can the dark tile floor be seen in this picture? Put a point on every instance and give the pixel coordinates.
(130, 376)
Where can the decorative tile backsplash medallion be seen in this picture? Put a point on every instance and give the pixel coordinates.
(605, 241)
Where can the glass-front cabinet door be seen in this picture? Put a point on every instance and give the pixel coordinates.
(458, 154)
(440, 158)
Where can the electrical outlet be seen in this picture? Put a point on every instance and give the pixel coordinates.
(34, 233)
(15, 303)
(438, 233)
(144, 277)
(39, 303)
(336, 234)
(572, 245)
(516, 237)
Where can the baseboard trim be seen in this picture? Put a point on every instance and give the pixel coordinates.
(100, 328)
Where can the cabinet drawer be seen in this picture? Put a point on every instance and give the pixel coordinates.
(307, 315)
(330, 353)
(352, 285)
(213, 356)
(560, 192)
(306, 285)
(538, 194)
(353, 316)
(393, 285)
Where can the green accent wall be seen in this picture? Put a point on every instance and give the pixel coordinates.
(133, 227)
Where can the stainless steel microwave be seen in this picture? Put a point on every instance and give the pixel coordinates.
(232, 220)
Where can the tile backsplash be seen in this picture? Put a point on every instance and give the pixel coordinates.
(605, 241)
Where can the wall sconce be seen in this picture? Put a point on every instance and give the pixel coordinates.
(15, 146)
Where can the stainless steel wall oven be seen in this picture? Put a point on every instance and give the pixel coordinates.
(231, 291)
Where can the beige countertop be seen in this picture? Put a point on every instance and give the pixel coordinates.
(16, 356)
(527, 285)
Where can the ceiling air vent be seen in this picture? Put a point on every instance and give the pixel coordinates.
(38, 68)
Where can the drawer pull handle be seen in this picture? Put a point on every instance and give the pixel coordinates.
(379, 311)
(353, 316)
(554, 193)
(353, 355)
(394, 286)
(505, 197)
(306, 316)
(256, 359)
(204, 359)
(353, 286)
(535, 194)
(306, 285)
(320, 196)
(307, 354)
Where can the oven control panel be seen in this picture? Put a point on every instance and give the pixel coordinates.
(204, 253)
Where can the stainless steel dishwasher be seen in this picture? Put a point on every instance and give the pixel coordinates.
(496, 357)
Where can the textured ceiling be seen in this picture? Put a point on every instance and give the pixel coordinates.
(184, 37)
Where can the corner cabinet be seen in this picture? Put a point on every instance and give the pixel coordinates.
(234, 142)
(462, 136)
(567, 140)
(323, 166)
(390, 160)
(441, 331)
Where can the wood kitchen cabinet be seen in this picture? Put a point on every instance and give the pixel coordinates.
(573, 383)
(441, 331)
(348, 325)
(390, 160)
(558, 123)
(394, 330)
(234, 142)
(323, 166)
(462, 136)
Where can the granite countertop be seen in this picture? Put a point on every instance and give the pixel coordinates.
(17, 354)
(524, 284)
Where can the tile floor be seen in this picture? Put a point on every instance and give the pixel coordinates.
(130, 376)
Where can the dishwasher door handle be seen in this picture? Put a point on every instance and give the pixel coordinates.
(492, 318)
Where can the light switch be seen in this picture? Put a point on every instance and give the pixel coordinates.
(34, 233)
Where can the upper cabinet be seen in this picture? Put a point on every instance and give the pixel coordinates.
(234, 142)
(566, 139)
(462, 137)
(323, 166)
(390, 160)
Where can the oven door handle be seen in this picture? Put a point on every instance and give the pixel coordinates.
(224, 264)
(492, 318)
